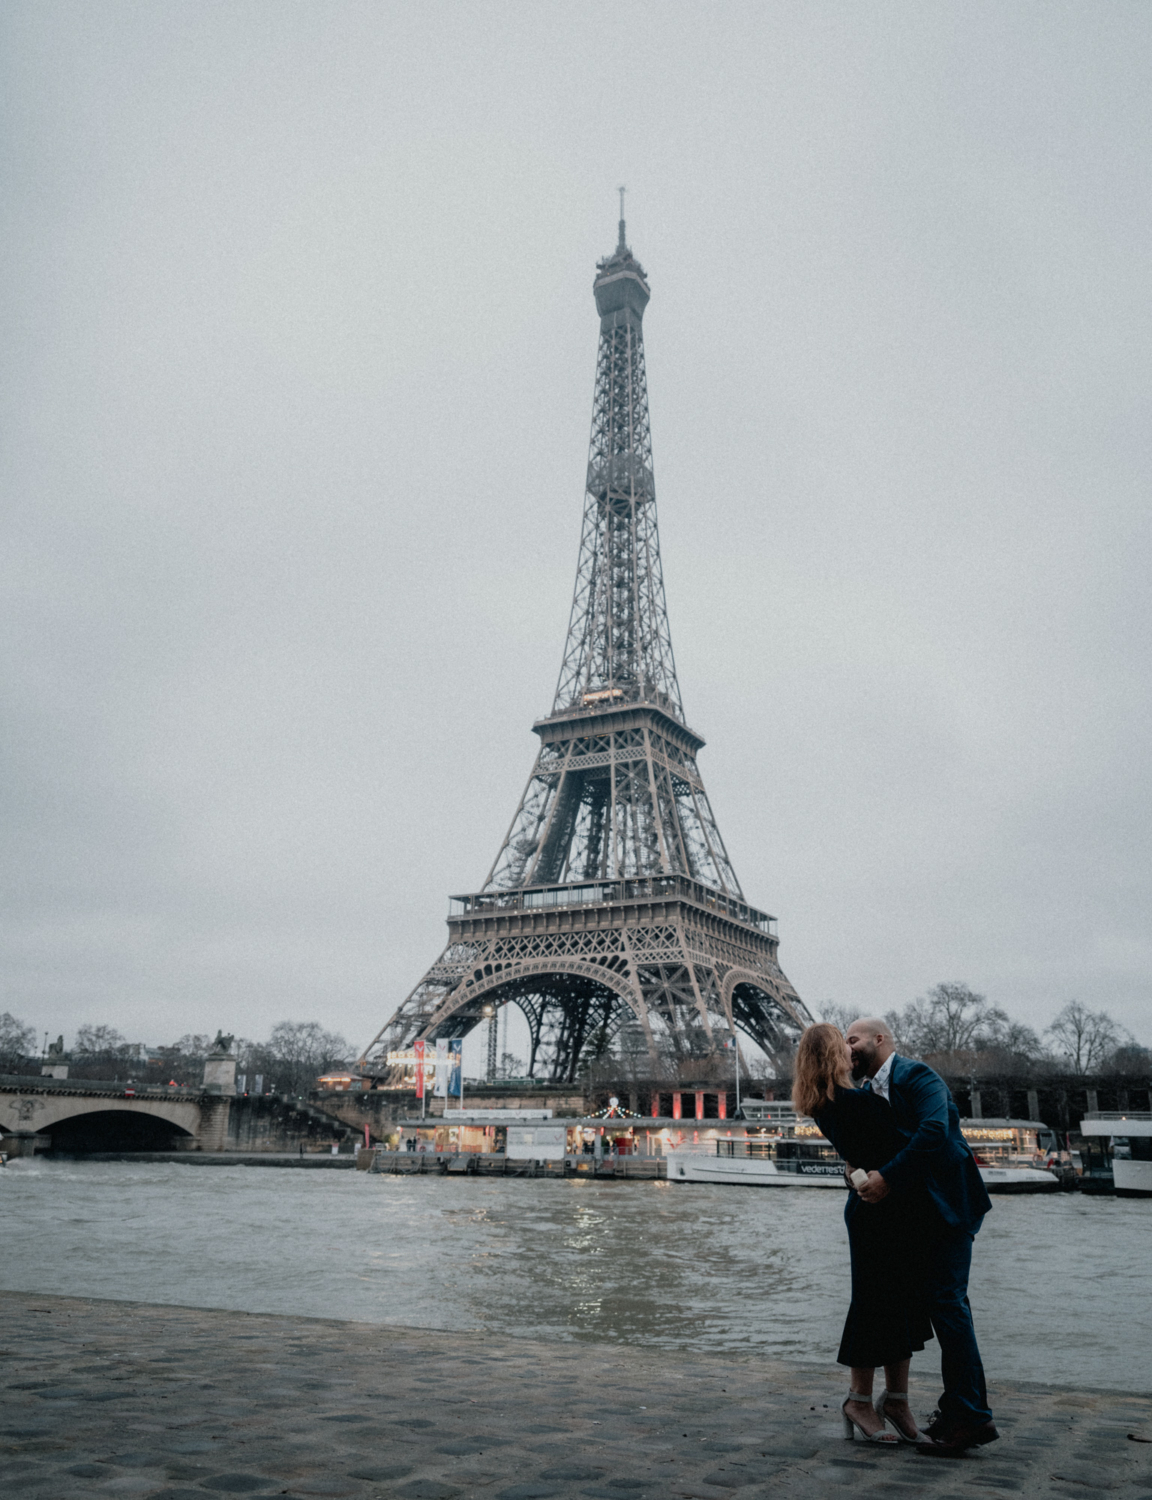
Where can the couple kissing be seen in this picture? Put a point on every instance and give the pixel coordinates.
(915, 1205)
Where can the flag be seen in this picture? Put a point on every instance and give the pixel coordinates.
(455, 1059)
(440, 1087)
(418, 1048)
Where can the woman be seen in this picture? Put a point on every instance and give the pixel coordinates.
(887, 1322)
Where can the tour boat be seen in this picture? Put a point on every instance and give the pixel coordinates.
(773, 1147)
(776, 1148)
(745, 1165)
(1013, 1155)
(1124, 1141)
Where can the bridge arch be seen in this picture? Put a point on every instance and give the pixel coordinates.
(62, 1114)
(115, 1129)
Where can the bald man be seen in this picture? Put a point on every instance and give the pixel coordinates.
(938, 1167)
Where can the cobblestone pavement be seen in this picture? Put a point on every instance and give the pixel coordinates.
(104, 1398)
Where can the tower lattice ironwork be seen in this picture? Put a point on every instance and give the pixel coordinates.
(611, 916)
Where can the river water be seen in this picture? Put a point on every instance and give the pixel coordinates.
(1060, 1284)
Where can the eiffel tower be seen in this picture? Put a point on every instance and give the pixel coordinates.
(612, 915)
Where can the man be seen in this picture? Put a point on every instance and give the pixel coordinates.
(937, 1165)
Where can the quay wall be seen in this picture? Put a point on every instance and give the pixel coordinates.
(270, 1122)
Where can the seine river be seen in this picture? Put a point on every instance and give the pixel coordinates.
(1060, 1286)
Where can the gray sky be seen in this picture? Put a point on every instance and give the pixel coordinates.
(299, 348)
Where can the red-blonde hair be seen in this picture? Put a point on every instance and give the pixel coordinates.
(821, 1064)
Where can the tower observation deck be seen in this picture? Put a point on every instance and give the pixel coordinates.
(611, 915)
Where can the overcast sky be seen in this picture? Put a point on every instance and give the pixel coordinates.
(298, 358)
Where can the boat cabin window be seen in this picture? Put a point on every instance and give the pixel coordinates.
(1132, 1148)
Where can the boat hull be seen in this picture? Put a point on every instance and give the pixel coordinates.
(1019, 1180)
(1132, 1179)
(743, 1171)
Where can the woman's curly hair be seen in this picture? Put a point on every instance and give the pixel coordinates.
(821, 1064)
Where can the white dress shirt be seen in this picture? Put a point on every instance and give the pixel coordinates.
(881, 1076)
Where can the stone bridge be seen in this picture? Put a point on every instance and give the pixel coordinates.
(75, 1116)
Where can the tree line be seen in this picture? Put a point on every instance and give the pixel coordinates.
(959, 1031)
(289, 1062)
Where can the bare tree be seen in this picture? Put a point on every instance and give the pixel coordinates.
(295, 1055)
(1009, 1047)
(104, 1052)
(182, 1062)
(17, 1043)
(839, 1016)
(1086, 1037)
(99, 1041)
(952, 1023)
(1132, 1059)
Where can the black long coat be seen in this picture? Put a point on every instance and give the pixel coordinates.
(887, 1319)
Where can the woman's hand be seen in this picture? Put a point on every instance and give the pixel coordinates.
(874, 1189)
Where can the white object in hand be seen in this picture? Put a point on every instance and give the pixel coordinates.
(859, 1177)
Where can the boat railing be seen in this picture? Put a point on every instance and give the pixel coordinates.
(762, 1149)
(1117, 1114)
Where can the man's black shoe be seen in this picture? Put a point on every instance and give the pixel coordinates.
(936, 1425)
(953, 1439)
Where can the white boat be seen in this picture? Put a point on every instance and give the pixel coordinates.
(785, 1151)
(753, 1171)
(1126, 1139)
(1020, 1180)
(1013, 1155)
(772, 1148)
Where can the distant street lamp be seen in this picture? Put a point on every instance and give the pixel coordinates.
(489, 1013)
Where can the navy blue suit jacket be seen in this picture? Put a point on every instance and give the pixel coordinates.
(936, 1157)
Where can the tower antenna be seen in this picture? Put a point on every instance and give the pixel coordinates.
(621, 246)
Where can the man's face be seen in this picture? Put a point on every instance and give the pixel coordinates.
(862, 1049)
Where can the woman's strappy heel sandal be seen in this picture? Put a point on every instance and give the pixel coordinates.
(899, 1399)
(882, 1439)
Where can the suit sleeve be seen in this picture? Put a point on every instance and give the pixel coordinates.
(926, 1096)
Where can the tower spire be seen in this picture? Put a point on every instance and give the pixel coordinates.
(621, 246)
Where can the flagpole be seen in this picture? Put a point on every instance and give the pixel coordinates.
(736, 1044)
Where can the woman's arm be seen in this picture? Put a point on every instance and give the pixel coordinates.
(831, 1126)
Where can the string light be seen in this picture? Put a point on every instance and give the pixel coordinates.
(614, 1110)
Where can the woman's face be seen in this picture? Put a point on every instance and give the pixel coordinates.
(847, 1054)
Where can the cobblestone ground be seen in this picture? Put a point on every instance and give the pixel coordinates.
(125, 1399)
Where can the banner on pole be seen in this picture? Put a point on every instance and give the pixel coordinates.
(455, 1067)
(440, 1087)
(418, 1048)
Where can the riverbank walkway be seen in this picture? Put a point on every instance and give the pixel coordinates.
(121, 1399)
